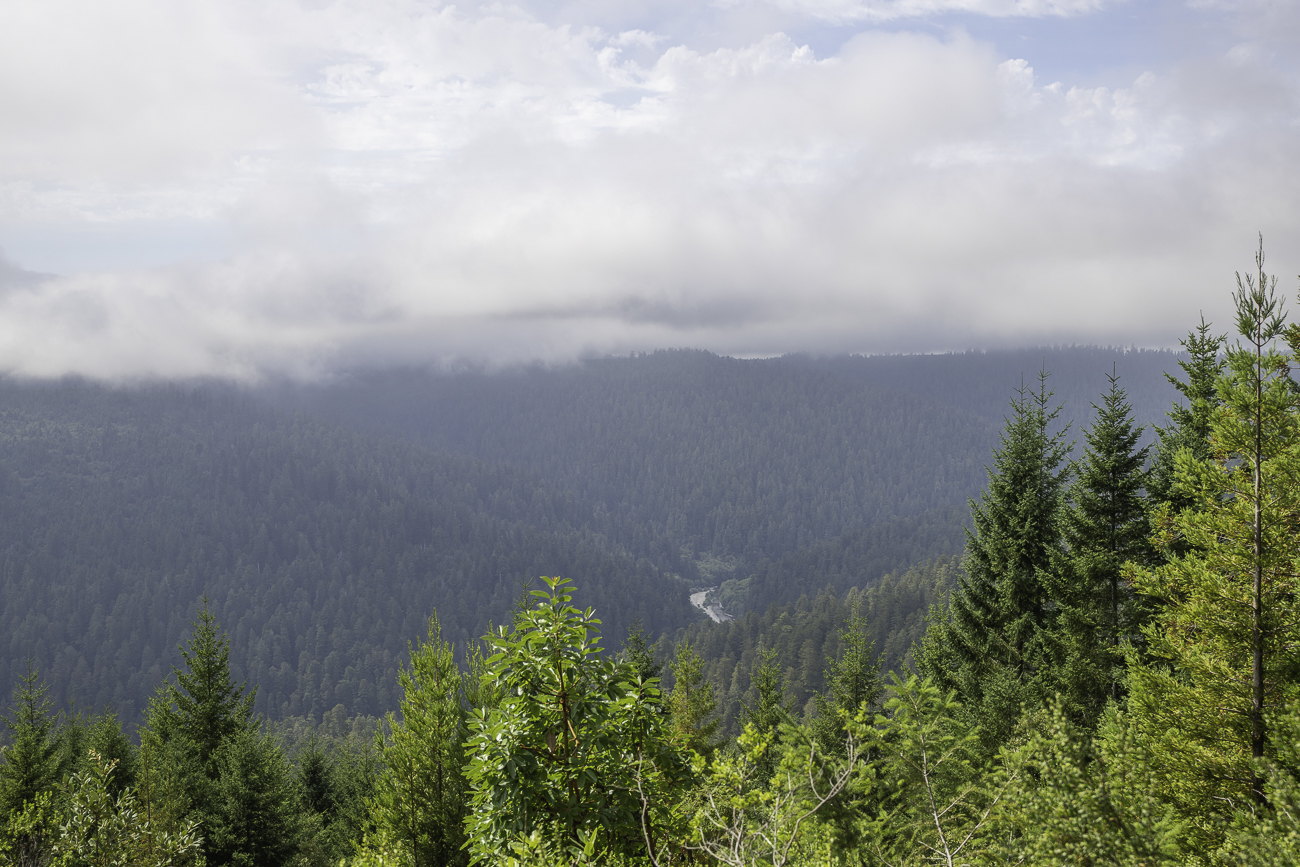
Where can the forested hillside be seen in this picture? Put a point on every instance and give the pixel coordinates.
(323, 551)
(734, 458)
(324, 538)
(804, 634)
(1093, 664)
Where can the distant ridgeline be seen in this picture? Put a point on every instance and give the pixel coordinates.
(326, 523)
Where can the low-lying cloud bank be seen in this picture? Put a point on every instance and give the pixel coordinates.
(407, 181)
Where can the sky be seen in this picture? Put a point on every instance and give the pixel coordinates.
(276, 188)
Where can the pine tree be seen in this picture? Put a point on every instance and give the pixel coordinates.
(692, 708)
(104, 735)
(1189, 426)
(639, 654)
(336, 782)
(256, 816)
(1222, 645)
(316, 778)
(205, 760)
(936, 792)
(990, 644)
(1104, 527)
(204, 707)
(31, 762)
(852, 680)
(1080, 799)
(421, 798)
(770, 708)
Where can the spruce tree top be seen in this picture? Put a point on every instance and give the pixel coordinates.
(30, 764)
(1109, 517)
(204, 706)
(989, 644)
(1016, 528)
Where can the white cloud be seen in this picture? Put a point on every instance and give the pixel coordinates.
(892, 10)
(405, 180)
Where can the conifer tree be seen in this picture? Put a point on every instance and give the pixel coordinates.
(990, 644)
(315, 776)
(1222, 645)
(639, 654)
(937, 797)
(1189, 426)
(256, 815)
(770, 708)
(421, 798)
(206, 761)
(692, 708)
(31, 762)
(203, 708)
(105, 737)
(1105, 526)
(852, 679)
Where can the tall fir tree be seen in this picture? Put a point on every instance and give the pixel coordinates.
(770, 708)
(990, 643)
(30, 763)
(256, 815)
(1189, 424)
(104, 735)
(852, 679)
(1222, 645)
(421, 797)
(205, 760)
(204, 707)
(692, 708)
(1105, 525)
(640, 654)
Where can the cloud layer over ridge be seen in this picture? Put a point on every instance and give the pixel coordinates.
(238, 188)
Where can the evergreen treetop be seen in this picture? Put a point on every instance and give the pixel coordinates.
(990, 643)
(1222, 644)
(30, 764)
(1105, 526)
(1189, 425)
(204, 706)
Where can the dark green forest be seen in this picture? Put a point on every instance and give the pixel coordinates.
(688, 453)
(309, 625)
(324, 528)
(322, 551)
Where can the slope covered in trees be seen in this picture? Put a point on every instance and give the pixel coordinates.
(1075, 689)
(323, 547)
(746, 459)
(801, 636)
(322, 550)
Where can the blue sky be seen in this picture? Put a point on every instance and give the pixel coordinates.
(289, 187)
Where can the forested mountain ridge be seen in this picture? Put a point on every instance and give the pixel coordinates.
(325, 544)
(857, 559)
(738, 458)
(980, 382)
(324, 551)
(1060, 700)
